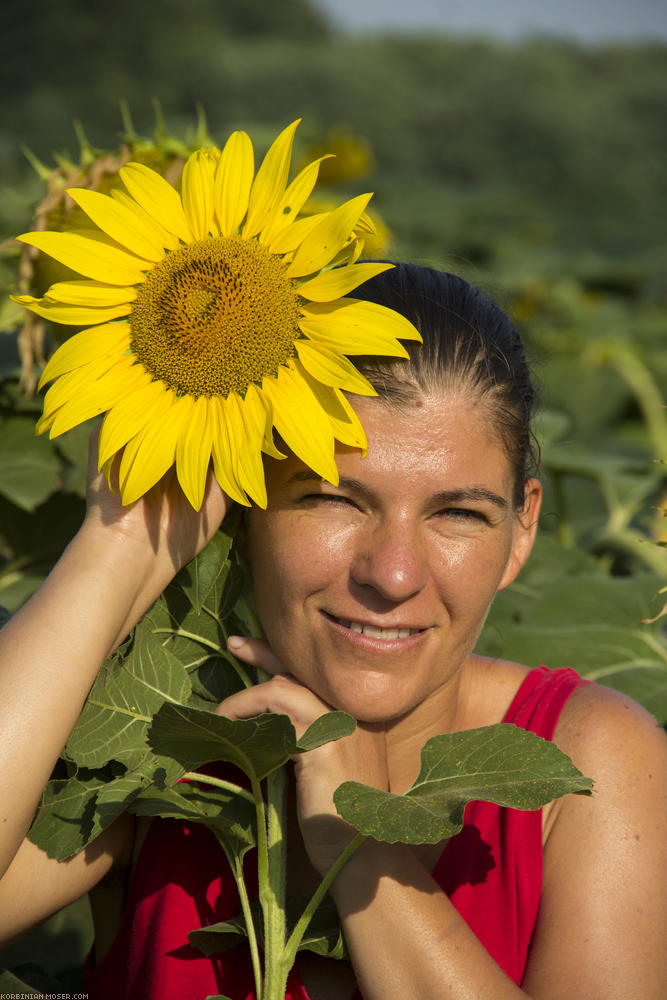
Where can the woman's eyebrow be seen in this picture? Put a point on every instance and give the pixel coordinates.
(308, 476)
(471, 493)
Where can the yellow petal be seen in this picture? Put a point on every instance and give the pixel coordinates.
(259, 405)
(291, 238)
(60, 312)
(327, 238)
(118, 222)
(224, 452)
(250, 469)
(366, 225)
(233, 180)
(339, 281)
(149, 226)
(301, 419)
(90, 256)
(110, 340)
(346, 425)
(332, 368)
(270, 182)
(292, 202)
(99, 396)
(149, 454)
(129, 416)
(157, 197)
(356, 327)
(193, 453)
(91, 293)
(70, 385)
(197, 187)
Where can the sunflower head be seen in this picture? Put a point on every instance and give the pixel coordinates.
(211, 317)
(96, 170)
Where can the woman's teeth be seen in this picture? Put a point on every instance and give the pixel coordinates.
(379, 633)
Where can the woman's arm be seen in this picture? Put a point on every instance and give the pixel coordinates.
(51, 650)
(602, 924)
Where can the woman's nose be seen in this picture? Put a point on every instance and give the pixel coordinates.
(391, 560)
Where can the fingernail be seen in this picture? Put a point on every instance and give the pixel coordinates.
(235, 642)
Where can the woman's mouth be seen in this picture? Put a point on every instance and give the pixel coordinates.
(374, 631)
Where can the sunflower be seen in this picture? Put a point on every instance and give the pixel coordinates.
(213, 317)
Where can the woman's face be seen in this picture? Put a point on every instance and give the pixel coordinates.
(373, 592)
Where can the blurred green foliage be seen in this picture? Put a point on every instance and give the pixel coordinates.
(536, 170)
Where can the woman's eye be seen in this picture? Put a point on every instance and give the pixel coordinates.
(327, 498)
(463, 514)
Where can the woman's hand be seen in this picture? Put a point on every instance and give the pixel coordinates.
(162, 525)
(358, 757)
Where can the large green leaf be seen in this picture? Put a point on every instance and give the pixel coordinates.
(562, 614)
(128, 691)
(503, 764)
(66, 821)
(200, 578)
(229, 816)
(257, 746)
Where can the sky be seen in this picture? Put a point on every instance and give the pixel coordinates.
(585, 20)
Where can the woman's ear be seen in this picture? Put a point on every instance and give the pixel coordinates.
(525, 530)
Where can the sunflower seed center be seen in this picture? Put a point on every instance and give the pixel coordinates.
(215, 316)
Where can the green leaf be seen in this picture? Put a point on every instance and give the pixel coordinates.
(561, 613)
(200, 576)
(11, 985)
(323, 937)
(30, 467)
(503, 764)
(215, 939)
(194, 737)
(65, 820)
(230, 817)
(257, 746)
(128, 691)
(329, 727)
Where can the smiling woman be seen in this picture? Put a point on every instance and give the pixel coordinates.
(372, 586)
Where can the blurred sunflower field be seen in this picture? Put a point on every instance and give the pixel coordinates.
(536, 170)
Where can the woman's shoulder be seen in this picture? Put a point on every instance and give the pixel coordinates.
(623, 748)
(606, 726)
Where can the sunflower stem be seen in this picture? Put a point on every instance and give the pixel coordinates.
(236, 865)
(272, 872)
(295, 938)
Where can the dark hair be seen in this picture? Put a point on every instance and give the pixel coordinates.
(468, 341)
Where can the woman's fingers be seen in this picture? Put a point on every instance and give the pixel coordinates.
(257, 653)
(282, 695)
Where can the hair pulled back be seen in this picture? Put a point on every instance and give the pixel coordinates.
(469, 344)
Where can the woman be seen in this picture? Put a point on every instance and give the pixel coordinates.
(384, 584)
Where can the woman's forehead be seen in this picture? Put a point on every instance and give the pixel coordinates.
(442, 436)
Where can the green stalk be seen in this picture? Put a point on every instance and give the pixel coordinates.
(236, 865)
(228, 786)
(565, 532)
(272, 871)
(649, 399)
(292, 946)
(274, 912)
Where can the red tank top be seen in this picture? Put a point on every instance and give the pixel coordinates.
(492, 872)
